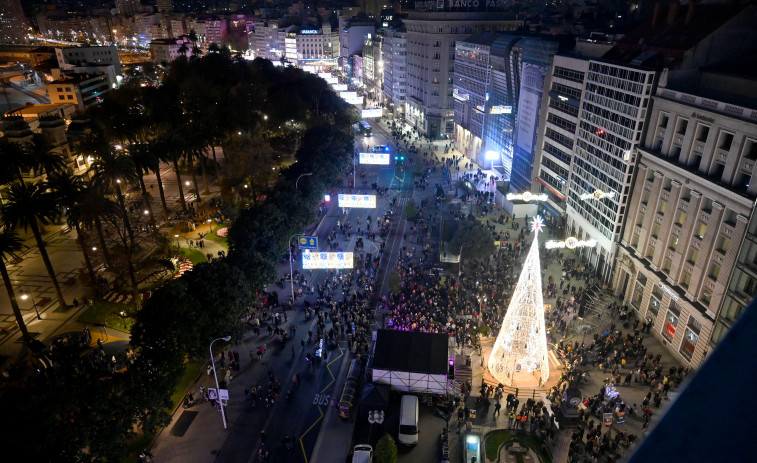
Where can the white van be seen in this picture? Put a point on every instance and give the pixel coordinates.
(363, 453)
(408, 434)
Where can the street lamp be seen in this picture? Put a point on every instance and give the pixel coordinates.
(26, 295)
(218, 388)
(210, 226)
(291, 270)
(177, 240)
(298, 179)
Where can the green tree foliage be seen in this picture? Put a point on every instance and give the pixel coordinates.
(475, 240)
(411, 211)
(386, 450)
(394, 282)
(83, 414)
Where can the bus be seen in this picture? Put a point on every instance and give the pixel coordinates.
(365, 129)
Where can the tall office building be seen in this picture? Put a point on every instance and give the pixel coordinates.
(557, 137)
(497, 74)
(611, 121)
(431, 39)
(13, 24)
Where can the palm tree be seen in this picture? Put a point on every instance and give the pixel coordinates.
(15, 159)
(94, 207)
(174, 151)
(142, 156)
(42, 156)
(110, 170)
(10, 245)
(71, 190)
(159, 154)
(27, 205)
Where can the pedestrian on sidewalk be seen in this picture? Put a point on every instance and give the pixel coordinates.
(497, 406)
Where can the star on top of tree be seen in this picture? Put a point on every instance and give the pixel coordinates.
(537, 224)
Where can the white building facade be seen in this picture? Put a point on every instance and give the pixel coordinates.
(687, 221)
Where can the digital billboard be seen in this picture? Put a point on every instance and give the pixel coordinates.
(315, 260)
(374, 158)
(360, 201)
(373, 112)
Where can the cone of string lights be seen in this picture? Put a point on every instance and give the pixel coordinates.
(521, 345)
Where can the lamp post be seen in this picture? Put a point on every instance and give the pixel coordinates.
(177, 240)
(26, 295)
(291, 269)
(298, 179)
(218, 388)
(210, 226)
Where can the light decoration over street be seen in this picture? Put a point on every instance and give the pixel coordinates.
(571, 243)
(598, 194)
(521, 345)
(526, 197)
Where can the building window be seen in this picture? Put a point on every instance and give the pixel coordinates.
(702, 132)
(682, 125)
(664, 119)
(700, 230)
(638, 291)
(669, 327)
(726, 140)
(690, 338)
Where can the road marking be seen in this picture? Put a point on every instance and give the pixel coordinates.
(320, 410)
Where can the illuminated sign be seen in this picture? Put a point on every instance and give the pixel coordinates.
(372, 112)
(460, 96)
(354, 100)
(314, 260)
(669, 292)
(501, 109)
(324, 75)
(570, 243)
(332, 80)
(308, 32)
(491, 156)
(361, 201)
(527, 197)
(346, 95)
(598, 194)
(339, 87)
(374, 158)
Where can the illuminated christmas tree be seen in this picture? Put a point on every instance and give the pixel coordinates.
(521, 345)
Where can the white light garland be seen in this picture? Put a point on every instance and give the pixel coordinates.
(571, 243)
(598, 194)
(522, 342)
(527, 197)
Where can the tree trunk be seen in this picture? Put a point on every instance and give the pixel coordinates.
(101, 236)
(48, 264)
(146, 197)
(134, 285)
(181, 187)
(204, 174)
(124, 212)
(194, 179)
(14, 304)
(162, 193)
(87, 261)
(215, 162)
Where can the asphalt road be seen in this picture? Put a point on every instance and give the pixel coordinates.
(302, 417)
